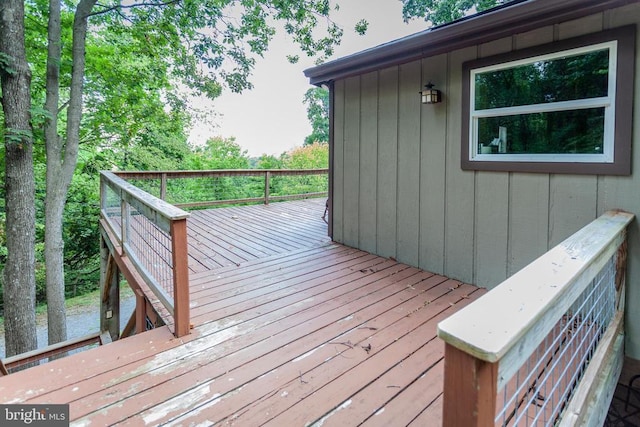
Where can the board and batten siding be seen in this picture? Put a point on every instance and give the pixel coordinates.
(399, 190)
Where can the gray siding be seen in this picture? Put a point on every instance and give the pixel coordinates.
(400, 192)
(387, 163)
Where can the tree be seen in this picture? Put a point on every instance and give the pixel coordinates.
(317, 101)
(209, 32)
(313, 156)
(220, 153)
(19, 271)
(269, 161)
(127, 122)
(442, 11)
(62, 154)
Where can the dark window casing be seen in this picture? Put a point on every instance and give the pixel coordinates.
(625, 75)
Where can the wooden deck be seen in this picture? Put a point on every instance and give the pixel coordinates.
(231, 236)
(303, 331)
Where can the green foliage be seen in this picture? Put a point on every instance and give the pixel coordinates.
(362, 26)
(143, 60)
(317, 101)
(314, 156)
(293, 59)
(6, 64)
(442, 11)
(215, 43)
(82, 213)
(3, 237)
(17, 136)
(219, 153)
(268, 161)
(38, 116)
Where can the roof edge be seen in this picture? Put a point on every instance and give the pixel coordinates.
(469, 31)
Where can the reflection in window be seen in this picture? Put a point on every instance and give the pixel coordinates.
(557, 132)
(554, 107)
(553, 80)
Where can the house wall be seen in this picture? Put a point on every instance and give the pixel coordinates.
(399, 190)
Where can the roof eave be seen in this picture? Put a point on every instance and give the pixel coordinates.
(513, 19)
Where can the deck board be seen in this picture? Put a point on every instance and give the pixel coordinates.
(288, 335)
(234, 235)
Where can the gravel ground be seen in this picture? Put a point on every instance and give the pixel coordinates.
(81, 320)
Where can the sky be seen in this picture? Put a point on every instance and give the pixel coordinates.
(271, 118)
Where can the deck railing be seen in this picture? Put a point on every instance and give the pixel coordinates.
(144, 228)
(17, 362)
(149, 238)
(194, 189)
(545, 347)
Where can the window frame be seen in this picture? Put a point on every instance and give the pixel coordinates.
(616, 156)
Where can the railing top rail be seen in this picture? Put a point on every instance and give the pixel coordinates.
(151, 203)
(216, 172)
(507, 322)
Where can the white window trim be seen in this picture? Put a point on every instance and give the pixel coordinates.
(608, 102)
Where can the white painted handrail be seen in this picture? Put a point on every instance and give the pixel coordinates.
(518, 313)
(504, 327)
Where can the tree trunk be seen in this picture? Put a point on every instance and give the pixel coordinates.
(55, 193)
(19, 272)
(61, 157)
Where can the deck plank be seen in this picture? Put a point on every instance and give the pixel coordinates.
(259, 264)
(383, 401)
(282, 329)
(338, 392)
(325, 364)
(432, 411)
(246, 341)
(238, 234)
(41, 382)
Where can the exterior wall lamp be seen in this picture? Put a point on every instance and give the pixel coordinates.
(430, 95)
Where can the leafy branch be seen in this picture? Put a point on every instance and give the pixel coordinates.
(6, 62)
(107, 9)
(17, 136)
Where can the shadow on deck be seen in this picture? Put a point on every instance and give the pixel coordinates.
(289, 329)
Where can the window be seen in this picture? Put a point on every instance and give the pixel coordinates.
(561, 108)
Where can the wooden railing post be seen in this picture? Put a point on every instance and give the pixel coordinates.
(470, 390)
(267, 178)
(141, 312)
(110, 293)
(180, 277)
(163, 186)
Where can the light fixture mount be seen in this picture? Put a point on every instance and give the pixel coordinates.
(429, 95)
